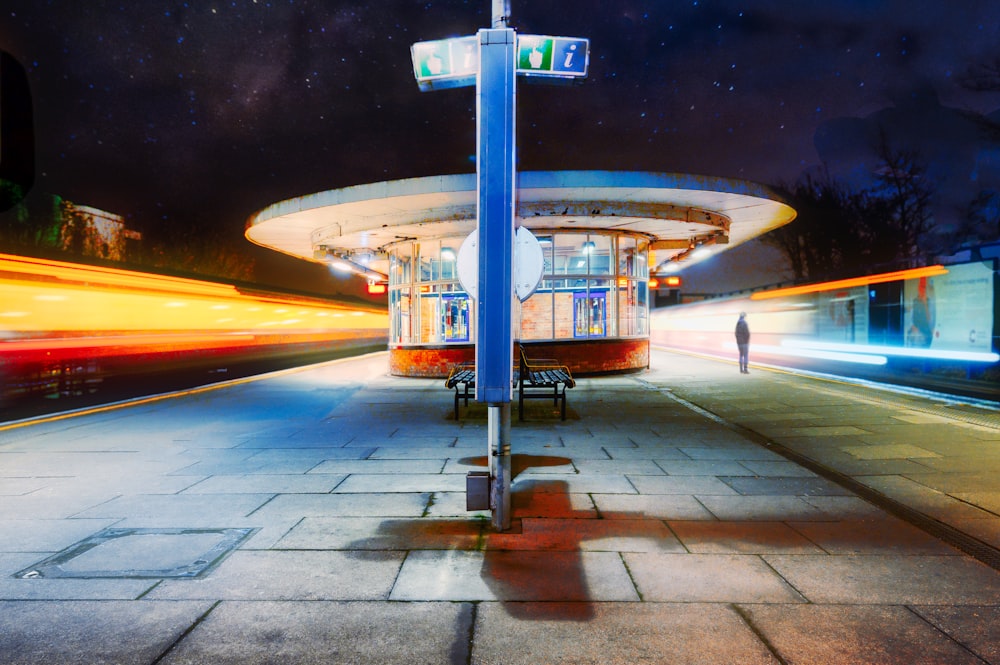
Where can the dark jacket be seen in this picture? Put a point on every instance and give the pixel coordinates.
(742, 332)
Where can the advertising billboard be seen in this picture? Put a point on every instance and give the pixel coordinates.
(952, 312)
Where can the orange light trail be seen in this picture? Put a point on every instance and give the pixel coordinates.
(46, 299)
(61, 271)
(913, 273)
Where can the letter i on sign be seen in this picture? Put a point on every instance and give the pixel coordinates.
(567, 63)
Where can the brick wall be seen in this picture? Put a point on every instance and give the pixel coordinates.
(428, 361)
(594, 356)
(585, 357)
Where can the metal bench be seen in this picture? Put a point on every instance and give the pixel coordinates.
(463, 379)
(543, 379)
(535, 379)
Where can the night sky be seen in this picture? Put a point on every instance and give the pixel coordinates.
(193, 115)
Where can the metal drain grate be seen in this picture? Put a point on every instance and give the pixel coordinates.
(140, 553)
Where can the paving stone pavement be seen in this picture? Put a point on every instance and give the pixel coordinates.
(657, 524)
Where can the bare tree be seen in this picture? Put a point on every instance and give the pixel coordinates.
(980, 224)
(898, 207)
(841, 231)
(822, 241)
(982, 77)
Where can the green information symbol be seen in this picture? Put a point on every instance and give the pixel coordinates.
(432, 59)
(534, 53)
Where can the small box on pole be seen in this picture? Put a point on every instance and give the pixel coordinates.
(477, 490)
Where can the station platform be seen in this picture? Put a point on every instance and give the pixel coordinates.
(683, 514)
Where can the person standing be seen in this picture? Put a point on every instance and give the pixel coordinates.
(743, 342)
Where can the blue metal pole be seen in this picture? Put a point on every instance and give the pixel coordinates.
(495, 183)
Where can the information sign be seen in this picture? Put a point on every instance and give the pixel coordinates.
(450, 63)
(541, 55)
(446, 63)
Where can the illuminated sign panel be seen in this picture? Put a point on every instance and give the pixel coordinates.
(446, 63)
(563, 57)
(451, 63)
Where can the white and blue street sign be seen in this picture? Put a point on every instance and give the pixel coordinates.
(446, 63)
(451, 63)
(562, 57)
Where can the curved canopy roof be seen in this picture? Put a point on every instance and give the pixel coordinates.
(676, 212)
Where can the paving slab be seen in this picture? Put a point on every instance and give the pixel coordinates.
(844, 507)
(889, 579)
(988, 501)
(644, 451)
(290, 575)
(737, 453)
(644, 467)
(889, 451)
(298, 440)
(877, 534)
(538, 500)
(13, 588)
(776, 469)
(33, 535)
(376, 533)
(378, 483)
(955, 482)
(696, 485)
(396, 504)
(419, 453)
(926, 499)
(776, 486)
(658, 506)
(587, 535)
(715, 537)
(761, 508)
(453, 504)
(89, 632)
(266, 484)
(221, 507)
(615, 634)
(855, 634)
(987, 530)
(328, 632)
(689, 467)
(56, 503)
(573, 484)
(698, 578)
(976, 628)
(514, 575)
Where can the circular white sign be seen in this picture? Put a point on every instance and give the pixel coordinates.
(529, 264)
(468, 264)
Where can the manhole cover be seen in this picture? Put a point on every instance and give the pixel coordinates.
(140, 553)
